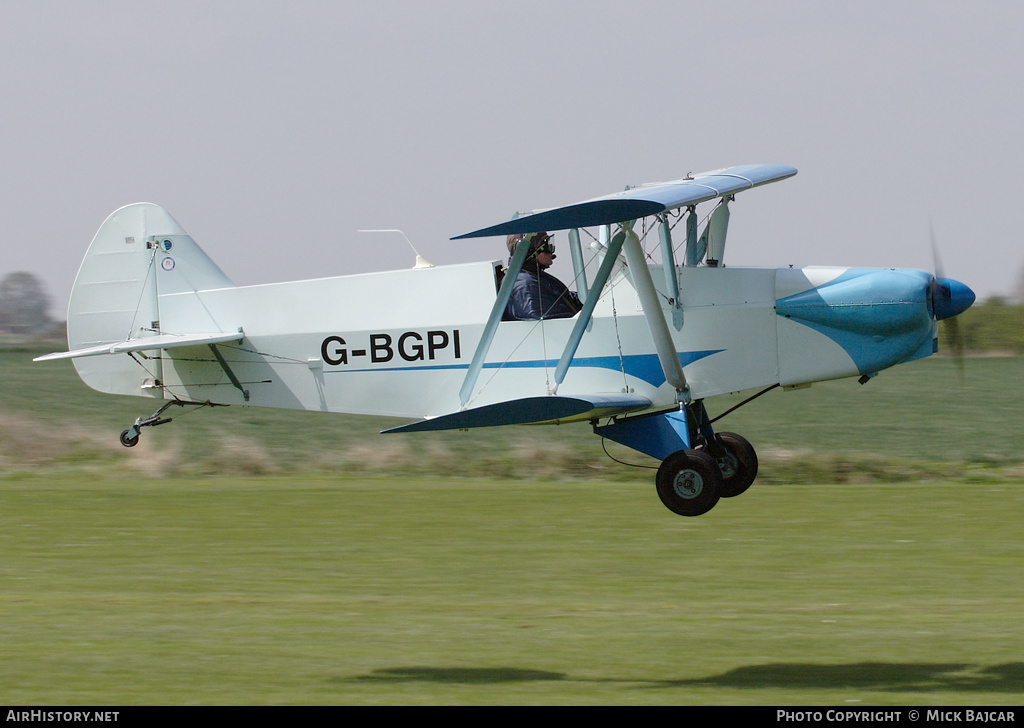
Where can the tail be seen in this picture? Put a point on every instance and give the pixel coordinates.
(139, 255)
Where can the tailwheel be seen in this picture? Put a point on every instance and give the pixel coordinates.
(689, 482)
(737, 462)
(130, 437)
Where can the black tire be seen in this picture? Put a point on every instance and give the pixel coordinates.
(129, 441)
(738, 464)
(689, 482)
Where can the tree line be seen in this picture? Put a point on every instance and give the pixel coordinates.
(24, 305)
(994, 325)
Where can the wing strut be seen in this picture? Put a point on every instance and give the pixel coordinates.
(668, 260)
(715, 232)
(578, 267)
(693, 252)
(497, 311)
(651, 306)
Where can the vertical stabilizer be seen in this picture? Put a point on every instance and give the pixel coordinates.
(137, 252)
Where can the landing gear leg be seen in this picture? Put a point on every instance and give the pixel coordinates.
(734, 456)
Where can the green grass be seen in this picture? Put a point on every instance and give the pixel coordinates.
(369, 591)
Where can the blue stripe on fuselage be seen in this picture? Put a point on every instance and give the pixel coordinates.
(642, 366)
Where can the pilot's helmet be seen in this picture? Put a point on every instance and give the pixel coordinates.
(537, 242)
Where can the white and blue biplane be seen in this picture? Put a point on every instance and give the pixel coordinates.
(664, 325)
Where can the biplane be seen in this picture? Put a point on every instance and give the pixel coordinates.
(664, 326)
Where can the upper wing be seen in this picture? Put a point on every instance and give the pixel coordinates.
(638, 202)
(145, 343)
(532, 410)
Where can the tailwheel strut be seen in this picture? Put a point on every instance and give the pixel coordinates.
(130, 437)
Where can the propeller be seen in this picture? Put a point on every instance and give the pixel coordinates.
(949, 298)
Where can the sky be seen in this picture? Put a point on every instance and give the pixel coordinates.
(273, 131)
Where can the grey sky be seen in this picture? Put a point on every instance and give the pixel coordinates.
(272, 131)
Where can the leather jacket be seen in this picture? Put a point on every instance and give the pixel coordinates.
(538, 294)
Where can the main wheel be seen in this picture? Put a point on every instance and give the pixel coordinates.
(127, 440)
(738, 463)
(689, 482)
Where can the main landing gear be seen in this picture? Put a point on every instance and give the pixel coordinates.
(699, 466)
(690, 481)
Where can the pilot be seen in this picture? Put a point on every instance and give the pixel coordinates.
(536, 293)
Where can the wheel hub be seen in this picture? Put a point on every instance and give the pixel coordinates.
(728, 464)
(688, 484)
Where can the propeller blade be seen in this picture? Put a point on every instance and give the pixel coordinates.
(936, 260)
(951, 333)
(949, 298)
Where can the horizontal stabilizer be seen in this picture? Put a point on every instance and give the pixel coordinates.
(145, 343)
(532, 410)
(641, 201)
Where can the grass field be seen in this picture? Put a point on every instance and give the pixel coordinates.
(317, 590)
(250, 557)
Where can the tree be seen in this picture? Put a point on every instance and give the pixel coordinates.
(23, 304)
(1017, 295)
(994, 325)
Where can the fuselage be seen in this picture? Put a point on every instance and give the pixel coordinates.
(399, 343)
